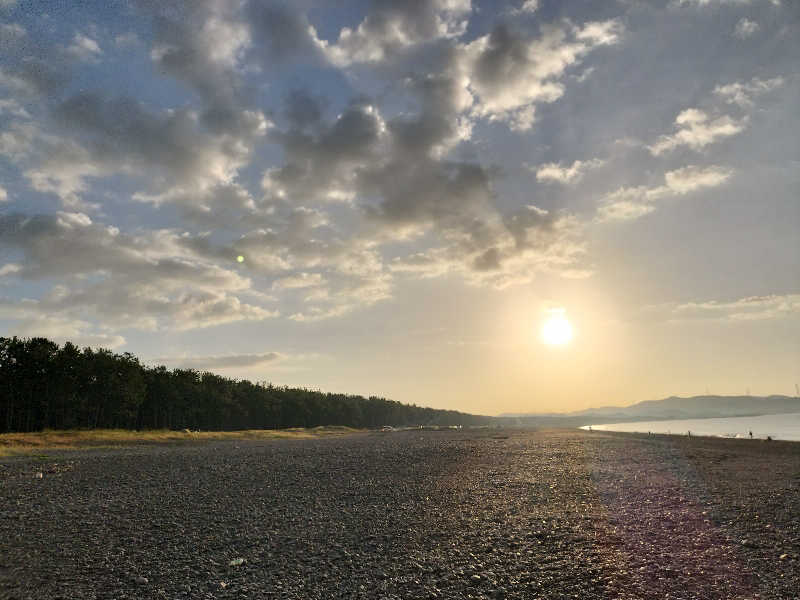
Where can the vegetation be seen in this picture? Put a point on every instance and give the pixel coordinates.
(45, 386)
(12, 444)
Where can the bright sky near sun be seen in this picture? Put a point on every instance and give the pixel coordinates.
(495, 207)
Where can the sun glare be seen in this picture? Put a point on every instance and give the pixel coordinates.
(556, 330)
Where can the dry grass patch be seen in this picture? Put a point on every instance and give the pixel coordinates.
(74, 439)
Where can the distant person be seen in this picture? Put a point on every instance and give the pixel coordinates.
(751, 435)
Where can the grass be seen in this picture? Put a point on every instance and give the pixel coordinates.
(13, 444)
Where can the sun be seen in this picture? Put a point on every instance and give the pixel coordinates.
(556, 330)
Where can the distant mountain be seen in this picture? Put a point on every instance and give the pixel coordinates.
(696, 407)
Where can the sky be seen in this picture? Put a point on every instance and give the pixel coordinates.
(393, 198)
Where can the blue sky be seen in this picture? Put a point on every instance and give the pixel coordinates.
(413, 189)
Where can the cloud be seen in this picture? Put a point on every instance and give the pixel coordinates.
(510, 72)
(3, 194)
(619, 208)
(184, 153)
(84, 49)
(745, 28)
(12, 107)
(630, 203)
(392, 25)
(697, 130)
(151, 281)
(571, 174)
(691, 178)
(742, 93)
(527, 7)
(752, 308)
(30, 322)
(300, 280)
(225, 361)
(202, 44)
(10, 269)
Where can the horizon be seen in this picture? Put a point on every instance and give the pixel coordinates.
(514, 207)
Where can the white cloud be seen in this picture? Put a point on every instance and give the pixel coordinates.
(691, 178)
(3, 194)
(30, 321)
(743, 92)
(10, 269)
(745, 28)
(393, 25)
(510, 72)
(84, 48)
(529, 6)
(567, 174)
(153, 280)
(630, 203)
(753, 308)
(697, 130)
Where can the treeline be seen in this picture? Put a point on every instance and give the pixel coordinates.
(44, 385)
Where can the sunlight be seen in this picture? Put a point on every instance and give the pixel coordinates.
(556, 330)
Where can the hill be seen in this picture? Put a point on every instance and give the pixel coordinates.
(674, 407)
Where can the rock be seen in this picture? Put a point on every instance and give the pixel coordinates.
(142, 580)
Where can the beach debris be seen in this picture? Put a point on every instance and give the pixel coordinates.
(142, 580)
(236, 562)
(783, 557)
(223, 584)
(38, 475)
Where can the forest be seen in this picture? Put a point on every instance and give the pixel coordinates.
(47, 386)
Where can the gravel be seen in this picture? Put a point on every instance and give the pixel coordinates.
(413, 514)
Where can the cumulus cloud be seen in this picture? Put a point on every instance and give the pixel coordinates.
(392, 25)
(84, 48)
(745, 28)
(384, 189)
(149, 281)
(566, 174)
(510, 72)
(183, 156)
(630, 203)
(527, 7)
(697, 130)
(10, 269)
(743, 93)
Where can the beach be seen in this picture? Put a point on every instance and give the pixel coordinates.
(408, 514)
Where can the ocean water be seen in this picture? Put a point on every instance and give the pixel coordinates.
(779, 427)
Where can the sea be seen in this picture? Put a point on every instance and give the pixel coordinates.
(778, 427)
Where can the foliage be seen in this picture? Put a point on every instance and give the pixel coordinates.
(43, 386)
